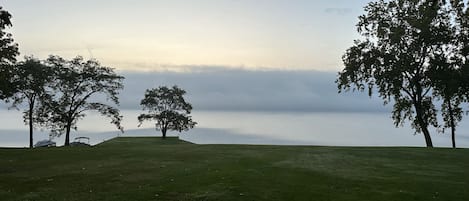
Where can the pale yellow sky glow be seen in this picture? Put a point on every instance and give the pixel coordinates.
(162, 35)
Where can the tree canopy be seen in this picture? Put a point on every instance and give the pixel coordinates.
(168, 108)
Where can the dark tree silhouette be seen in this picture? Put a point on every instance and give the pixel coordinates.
(448, 86)
(450, 72)
(462, 37)
(168, 108)
(77, 83)
(8, 53)
(32, 78)
(401, 38)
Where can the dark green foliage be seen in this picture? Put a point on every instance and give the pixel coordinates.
(402, 39)
(141, 169)
(448, 81)
(168, 108)
(8, 53)
(77, 82)
(32, 78)
(455, 90)
(450, 69)
(7, 87)
(8, 49)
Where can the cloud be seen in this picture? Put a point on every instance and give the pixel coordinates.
(221, 88)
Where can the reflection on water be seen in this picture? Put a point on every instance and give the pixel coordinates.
(340, 129)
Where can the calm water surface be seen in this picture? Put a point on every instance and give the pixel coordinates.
(283, 128)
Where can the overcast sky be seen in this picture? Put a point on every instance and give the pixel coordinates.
(155, 34)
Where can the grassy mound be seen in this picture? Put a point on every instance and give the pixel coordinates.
(156, 169)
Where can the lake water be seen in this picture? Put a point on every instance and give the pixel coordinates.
(282, 128)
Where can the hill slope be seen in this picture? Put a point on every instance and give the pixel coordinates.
(156, 169)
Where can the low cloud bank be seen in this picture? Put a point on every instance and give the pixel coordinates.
(246, 90)
(231, 89)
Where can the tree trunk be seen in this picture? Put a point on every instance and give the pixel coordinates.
(423, 126)
(452, 124)
(30, 115)
(453, 137)
(428, 138)
(67, 135)
(163, 131)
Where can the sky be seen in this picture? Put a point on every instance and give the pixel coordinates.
(155, 35)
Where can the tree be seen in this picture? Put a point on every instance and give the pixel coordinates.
(401, 39)
(447, 85)
(461, 8)
(168, 108)
(450, 72)
(32, 78)
(78, 88)
(8, 53)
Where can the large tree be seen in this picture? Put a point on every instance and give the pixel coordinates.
(81, 86)
(168, 108)
(8, 53)
(400, 41)
(32, 78)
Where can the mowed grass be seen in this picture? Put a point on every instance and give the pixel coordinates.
(155, 169)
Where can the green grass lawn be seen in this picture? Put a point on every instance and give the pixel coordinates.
(155, 169)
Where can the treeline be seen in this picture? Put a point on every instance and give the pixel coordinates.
(58, 92)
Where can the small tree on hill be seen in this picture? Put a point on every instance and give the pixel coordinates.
(168, 108)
